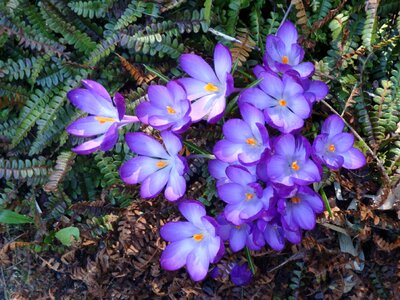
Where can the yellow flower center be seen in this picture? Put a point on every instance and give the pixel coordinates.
(295, 200)
(282, 102)
(161, 164)
(249, 196)
(295, 166)
(209, 87)
(103, 120)
(251, 141)
(170, 110)
(285, 59)
(198, 237)
(237, 226)
(332, 148)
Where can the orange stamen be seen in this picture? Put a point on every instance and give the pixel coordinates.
(161, 164)
(295, 200)
(103, 120)
(282, 102)
(285, 59)
(170, 110)
(209, 87)
(249, 196)
(198, 237)
(251, 141)
(295, 166)
(332, 148)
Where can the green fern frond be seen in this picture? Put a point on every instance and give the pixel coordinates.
(370, 24)
(91, 9)
(63, 164)
(23, 169)
(135, 10)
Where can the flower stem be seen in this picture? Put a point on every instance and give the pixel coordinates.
(250, 261)
(328, 207)
(197, 150)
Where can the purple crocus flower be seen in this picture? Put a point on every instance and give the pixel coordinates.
(245, 197)
(193, 243)
(283, 53)
(245, 140)
(167, 108)
(314, 90)
(105, 118)
(241, 274)
(289, 164)
(155, 167)
(335, 147)
(282, 101)
(208, 89)
(238, 235)
(300, 208)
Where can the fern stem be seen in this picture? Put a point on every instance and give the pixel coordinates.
(230, 38)
(286, 15)
(250, 261)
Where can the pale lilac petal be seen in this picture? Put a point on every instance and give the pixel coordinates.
(272, 85)
(222, 61)
(312, 198)
(89, 146)
(251, 115)
(308, 173)
(110, 137)
(137, 169)
(278, 171)
(287, 33)
(333, 125)
(175, 254)
(227, 151)
(291, 87)
(318, 88)
(343, 142)
(353, 159)
(217, 168)
(274, 45)
(240, 175)
(285, 145)
(159, 96)
(304, 69)
(88, 102)
(293, 236)
(146, 109)
(172, 142)
(197, 263)
(193, 211)
(154, 183)
(304, 216)
(177, 91)
(97, 88)
(176, 186)
(88, 126)
(197, 68)
(231, 192)
(237, 131)
(120, 104)
(144, 144)
(195, 88)
(217, 109)
(300, 106)
(252, 208)
(201, 107)
(237, 240)
(232, 213)
(287, 122)
(175, 231)
(274, 237)
(256, 97)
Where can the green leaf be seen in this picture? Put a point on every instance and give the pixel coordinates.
(11, 217)
(207, 11)
(64, 235)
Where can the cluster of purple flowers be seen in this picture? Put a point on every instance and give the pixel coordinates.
(264, 180)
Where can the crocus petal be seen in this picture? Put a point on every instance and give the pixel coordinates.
(353, 159)
(277, 171)
(88, 126)
(343, 142)
(217, 109)
(255, 97)
(217, 168)
(176, 186)
(175, 254)
(237, 131)
(171, 142)
(88, 102)
(304, 69)
(197, 263)
(285, 145)
(97, 88)
(222, 61)
(110, 137)
(227, 151)
(333, 125)
(154, 183)
(177, 91)
(201, 107)
(251, 116)
(238, 239)
(194, 88)
(239, 175)
(137, 169)
(300, 106)
(159, 96)
(231, 192)
(175, 231)
(288, 33)
(197, 68)
(144, 144)
(312, 199)
(120, 104)
(293, 236)
(252, 208)
(308, 173)
(146, 109)
(304, 216)
(319, 89)
(272, 85)
(274, 237)
(232, 213)
(89, 146)
(193, 211)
